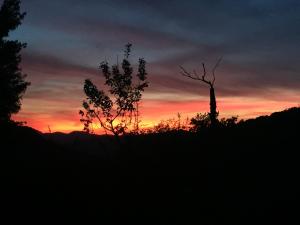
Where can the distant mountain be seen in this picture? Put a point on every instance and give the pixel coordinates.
(70, 137)
(287, 119)
(81, 141)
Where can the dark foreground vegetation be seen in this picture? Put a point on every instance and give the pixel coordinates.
(241, 175)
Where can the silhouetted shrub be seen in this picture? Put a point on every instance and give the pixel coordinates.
(229, 122)
(200, 122)
(170, 125)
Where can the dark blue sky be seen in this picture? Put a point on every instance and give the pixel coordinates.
(258, 39)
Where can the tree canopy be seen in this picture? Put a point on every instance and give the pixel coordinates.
(12, 80)
(117, 110)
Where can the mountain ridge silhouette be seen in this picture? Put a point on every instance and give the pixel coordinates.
(241, 175)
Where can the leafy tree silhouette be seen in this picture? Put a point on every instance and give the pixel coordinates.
(115, 112)
(12, 83)
(213, 115)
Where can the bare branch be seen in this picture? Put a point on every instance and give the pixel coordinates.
(189, 76)
(185, 73)
(214, 69)
(204, 71)
(195, 76)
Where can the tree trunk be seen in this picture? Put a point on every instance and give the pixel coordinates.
(213, 107)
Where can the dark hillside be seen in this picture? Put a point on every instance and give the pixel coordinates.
(241, 175)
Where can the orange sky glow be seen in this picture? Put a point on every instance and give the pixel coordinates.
(152, 112)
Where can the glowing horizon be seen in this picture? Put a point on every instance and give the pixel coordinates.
(154, 112)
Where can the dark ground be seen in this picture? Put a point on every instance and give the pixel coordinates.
(243, 175)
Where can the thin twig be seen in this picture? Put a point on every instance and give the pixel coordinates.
(204, 71)
(214, 69)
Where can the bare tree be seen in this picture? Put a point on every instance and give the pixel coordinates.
(203, 78)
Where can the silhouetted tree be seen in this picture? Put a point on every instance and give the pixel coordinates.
(115, 112)
(213, 103)
(12, 83)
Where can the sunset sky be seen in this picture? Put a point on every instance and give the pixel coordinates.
(67, 39)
